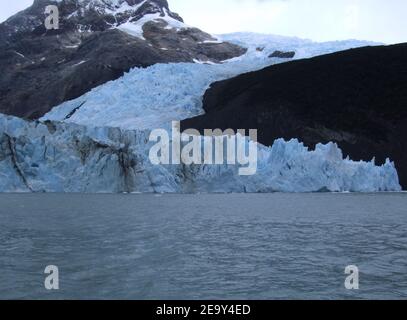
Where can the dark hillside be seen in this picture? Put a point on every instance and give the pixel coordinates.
(357, 98)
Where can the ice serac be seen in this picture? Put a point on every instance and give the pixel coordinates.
(97, 41)
(61, 157)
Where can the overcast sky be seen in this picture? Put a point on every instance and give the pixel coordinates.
(321, 20)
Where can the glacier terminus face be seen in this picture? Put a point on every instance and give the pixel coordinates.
(61, 157)
(215, 147)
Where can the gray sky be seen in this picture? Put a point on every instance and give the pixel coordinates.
(321, 20)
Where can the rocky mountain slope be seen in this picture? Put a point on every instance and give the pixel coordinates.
(98, 40)
(356, 98)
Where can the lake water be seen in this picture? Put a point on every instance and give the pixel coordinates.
(249, 246)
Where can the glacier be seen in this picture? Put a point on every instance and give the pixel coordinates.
(146, 98)
(99, 142)
(63, 157)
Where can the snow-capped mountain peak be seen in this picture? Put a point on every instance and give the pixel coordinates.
(100, 15)
(83, 15)
(96, 41)
(109, 5)
(121, 7)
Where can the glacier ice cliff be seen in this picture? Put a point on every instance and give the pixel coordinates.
(65, 157)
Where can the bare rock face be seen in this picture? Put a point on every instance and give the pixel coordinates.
(43, 68)
(282, 54)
